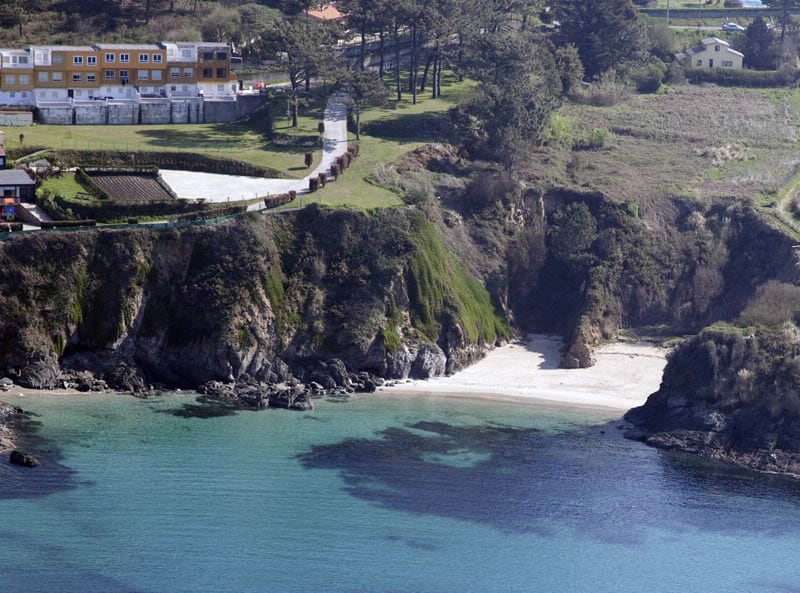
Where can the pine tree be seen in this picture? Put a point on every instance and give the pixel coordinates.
(606, 32)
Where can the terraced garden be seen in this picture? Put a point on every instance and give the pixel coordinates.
(132, 188)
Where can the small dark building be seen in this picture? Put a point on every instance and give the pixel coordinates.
(15, 186)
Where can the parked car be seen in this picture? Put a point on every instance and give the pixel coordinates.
(732, 27)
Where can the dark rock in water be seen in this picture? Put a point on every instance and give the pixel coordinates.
(6, 384)
(39, 373)
(24, 459)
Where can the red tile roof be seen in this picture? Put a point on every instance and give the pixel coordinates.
(328, 12)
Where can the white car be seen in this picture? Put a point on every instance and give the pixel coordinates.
(732, 27)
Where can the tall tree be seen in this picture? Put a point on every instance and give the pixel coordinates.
(519, 86)
(365, 88)
(784, 9)
(606, 32)
(760, 46)
(304, 47)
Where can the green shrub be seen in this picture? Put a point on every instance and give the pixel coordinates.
(559, 130)
(648, 79)
(746, 78)
(597, 138)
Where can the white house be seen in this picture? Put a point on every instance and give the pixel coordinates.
(712, 53)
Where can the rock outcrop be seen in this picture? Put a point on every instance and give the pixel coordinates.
(8, 415)
(23, 459)
(729, 396)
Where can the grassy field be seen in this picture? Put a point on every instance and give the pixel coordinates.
(691, 142)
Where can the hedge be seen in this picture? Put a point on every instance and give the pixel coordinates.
(747, 78)
(183, 161)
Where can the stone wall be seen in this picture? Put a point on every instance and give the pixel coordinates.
(60, 115)
(151, 111)
(155, 112)
(219, 111)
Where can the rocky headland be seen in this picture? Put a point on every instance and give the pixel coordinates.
(732, 396)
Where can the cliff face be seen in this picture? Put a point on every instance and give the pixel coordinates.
(263, 296)
(731, 396)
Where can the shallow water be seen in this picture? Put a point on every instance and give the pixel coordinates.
(378, 495)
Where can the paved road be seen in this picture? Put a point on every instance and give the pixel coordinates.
(214, 187)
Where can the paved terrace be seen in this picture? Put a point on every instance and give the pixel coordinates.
(214, 187)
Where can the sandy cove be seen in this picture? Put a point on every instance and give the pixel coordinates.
(624, 375)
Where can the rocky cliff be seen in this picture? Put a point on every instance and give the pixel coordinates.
(730, 395)
(317, 294)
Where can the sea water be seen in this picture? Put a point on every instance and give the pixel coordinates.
(377, 494)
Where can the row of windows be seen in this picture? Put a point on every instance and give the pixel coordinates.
(45, 76)
(15, 60)
(10, 79)
(123, 58)
(723, 64)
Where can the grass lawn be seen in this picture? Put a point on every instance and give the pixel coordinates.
(240, 141)
(353, 189)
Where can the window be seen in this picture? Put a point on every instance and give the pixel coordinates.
(58, 59)
(91, 77)
(222, 55)
(716, 48)
(11, 79)
(24, 79)
(727, 63)
(186, 53)
(174, 72)
(207, 72)
(123, 77)
(188, 72)
(58, 76)
(124, 58)
(43, 77)
(77, 60)
(91, 60)
(155, 75)
(699, 62)
(173, 88)
(142, 74)
(156, 58)
(77, 77)
(144, 58)
(221, 73)
(208, 55)
(110, 58)
(110, 74)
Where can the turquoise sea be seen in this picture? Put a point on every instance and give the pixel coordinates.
(378, 494)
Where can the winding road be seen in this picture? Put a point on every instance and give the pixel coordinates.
(214, 187)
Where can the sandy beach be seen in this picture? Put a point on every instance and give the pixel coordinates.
(625, 374)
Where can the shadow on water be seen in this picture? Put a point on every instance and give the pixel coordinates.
(524, 480)
(50, 477)
(205, 408)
